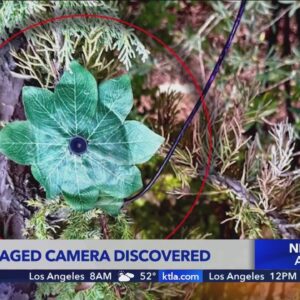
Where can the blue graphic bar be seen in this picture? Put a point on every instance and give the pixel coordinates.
(78, 276)
(277, 254)
(250, 276)
(168, 276)
(180, 276)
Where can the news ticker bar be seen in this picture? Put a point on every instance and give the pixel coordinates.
(170, 276)
(150, 254)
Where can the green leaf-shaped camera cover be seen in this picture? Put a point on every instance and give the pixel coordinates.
(77, 140)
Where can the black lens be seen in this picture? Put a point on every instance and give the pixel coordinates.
(78, 145)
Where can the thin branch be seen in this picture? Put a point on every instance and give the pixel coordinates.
(103, 223)
(242, 193)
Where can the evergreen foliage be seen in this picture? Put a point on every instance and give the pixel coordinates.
(97, 43)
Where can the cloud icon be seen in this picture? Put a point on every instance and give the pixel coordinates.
(125, 277)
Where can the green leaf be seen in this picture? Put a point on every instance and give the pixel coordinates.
(107, 128)
(142, 142)
(78, 143)
(52, 155)
(116, 95)
(76, 98)
(127, 144)
(111, 206)
(62, 172)
(80, 185)
(40, 109)
(18, 143)
(117, 181)
(84, 200)
(50, 173)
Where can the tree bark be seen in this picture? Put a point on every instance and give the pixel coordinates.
(16, 185)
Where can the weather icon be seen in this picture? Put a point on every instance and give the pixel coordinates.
(125, 277)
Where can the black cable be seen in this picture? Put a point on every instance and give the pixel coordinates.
(188, 121)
